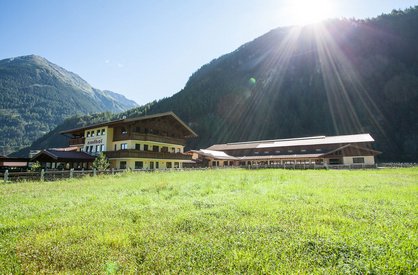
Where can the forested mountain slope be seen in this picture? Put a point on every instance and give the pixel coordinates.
(37, 95)
(340, 77)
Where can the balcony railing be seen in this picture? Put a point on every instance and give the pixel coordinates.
(149, 137)
(131, 153)
(77, 141)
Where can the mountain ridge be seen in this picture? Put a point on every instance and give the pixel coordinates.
(37, 95)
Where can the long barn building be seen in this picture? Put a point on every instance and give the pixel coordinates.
(320, 150)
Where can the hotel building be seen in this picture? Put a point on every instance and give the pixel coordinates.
(148, 142)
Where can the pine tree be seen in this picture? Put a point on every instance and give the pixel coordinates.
(101, 162)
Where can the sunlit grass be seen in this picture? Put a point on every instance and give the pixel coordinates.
(220, 221)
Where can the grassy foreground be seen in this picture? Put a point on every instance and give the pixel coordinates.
(219, 221)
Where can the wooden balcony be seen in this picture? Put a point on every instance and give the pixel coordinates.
(77, 141)
(131, 153)
(149, 137)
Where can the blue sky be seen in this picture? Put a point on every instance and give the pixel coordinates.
(147, 50)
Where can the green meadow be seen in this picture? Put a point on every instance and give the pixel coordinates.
(214, 221)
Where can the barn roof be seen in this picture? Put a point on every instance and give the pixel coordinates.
(290, 142)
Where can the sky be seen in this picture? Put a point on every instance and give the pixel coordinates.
(147, 50)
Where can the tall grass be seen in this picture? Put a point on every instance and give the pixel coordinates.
(219, 221)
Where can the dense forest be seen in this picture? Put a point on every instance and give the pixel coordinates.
(37, 95)
(343, 76)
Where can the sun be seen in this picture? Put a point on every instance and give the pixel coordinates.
(303, 12)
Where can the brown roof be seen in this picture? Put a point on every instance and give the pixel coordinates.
(304, 141)
(126, 120)
(63, 156)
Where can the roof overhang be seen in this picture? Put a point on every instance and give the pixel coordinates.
(127, 120)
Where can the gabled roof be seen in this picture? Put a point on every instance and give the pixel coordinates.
(304, 141)
(374, 152)
(127, 120)
(63, 156)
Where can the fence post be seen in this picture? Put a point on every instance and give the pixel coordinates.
(71, 173)
(42, 175)
(6, 176)
(113, 171)
(94, 172)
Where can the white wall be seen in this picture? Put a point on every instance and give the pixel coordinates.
(369, 160)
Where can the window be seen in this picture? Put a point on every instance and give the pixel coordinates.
(164, 149)
(318, 149)
(157, 165)
(178, 150)
(256, 153)
(335, 161)
(122, 165)
(303, 150)
(173, 150)
(139, 164)
(98, 133)
(103, 132)
(176, 165)
(155, 148)
(124, 146)
(151, 165)
(137, 146)
(102, 148)
(123, 131)
(92, 133)
(168, 165)
(91, 149)
(290, 151)
(277, 152)
(97, 148)
(225, 163)
(116, 147)
(88, 134)
(266, 152)
(137, 129)
(358, 160)
(145, 147)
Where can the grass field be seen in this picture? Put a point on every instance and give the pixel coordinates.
(218, 221)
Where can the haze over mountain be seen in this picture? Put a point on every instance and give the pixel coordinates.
(37, 95)
(339, 77)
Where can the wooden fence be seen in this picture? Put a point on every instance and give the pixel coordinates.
(51, 175)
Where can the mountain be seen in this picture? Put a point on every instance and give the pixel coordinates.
(339, 77)
(37, 95)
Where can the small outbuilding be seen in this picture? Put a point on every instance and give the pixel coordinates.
(59, 159)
